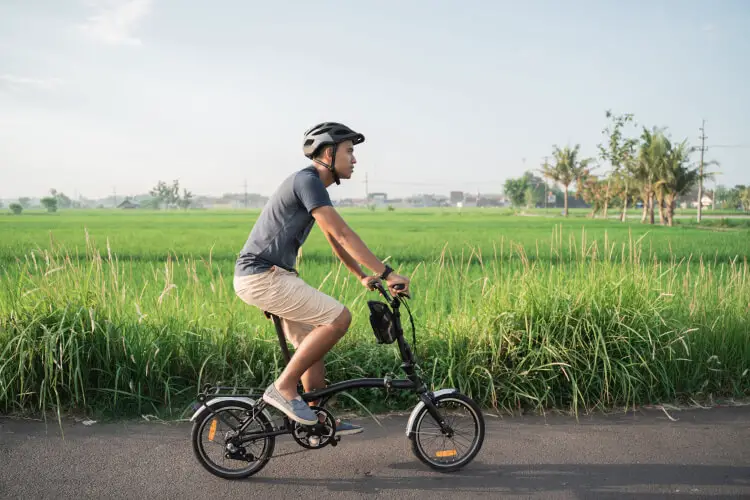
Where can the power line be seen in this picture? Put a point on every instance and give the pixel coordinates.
(439, 184)
(729, 146)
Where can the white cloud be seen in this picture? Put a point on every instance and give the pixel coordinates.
(20, 82)
(116, 20)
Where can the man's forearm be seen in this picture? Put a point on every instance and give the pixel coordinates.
(347, 259)
(356, 248)
(337, 230)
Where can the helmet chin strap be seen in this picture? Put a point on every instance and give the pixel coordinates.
(331, 167)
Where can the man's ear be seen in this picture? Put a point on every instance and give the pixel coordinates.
(326, 154)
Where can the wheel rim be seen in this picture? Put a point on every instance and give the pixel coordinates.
(441, 450)
(213, 431)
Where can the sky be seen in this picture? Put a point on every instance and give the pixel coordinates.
(98, 96)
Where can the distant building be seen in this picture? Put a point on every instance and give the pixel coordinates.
(377, 198)
(491, 200)
(690, 199)
(706, 201)
(127, 204)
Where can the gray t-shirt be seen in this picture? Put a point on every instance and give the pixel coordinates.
(284, 224)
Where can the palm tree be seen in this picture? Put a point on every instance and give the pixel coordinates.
(745, 199)
(660, 192)
(648, 166)
(627, 183)
(594, 191)
(568, 168)
(678, 176)
(665, 170)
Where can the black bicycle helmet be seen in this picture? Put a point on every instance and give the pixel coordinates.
(325, 134)
(328, 133)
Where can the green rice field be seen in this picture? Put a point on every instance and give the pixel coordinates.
(128, 312)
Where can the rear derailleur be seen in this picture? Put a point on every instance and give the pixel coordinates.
(238, 453)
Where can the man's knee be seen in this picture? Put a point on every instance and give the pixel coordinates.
(343, 321)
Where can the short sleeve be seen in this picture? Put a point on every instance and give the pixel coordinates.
(310, 191)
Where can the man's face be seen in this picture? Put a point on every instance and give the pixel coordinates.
(345, 160)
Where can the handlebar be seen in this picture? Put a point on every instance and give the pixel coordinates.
(394, 302)
(378, 285)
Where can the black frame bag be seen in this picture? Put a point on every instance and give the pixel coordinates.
(381, 319)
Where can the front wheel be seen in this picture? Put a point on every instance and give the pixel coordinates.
(451, 451)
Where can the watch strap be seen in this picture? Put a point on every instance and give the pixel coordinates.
(388, 270)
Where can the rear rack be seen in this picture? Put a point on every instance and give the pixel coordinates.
(209, 391)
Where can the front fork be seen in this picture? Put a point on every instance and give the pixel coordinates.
(435, 413)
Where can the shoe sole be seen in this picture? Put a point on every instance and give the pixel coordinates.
(287, 411)
(349, 432)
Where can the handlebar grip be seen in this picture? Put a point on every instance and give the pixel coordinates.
(379, 286)
(399, 289)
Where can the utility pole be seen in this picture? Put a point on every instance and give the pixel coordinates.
(546, 189)
(367, 189)
(700, 174)
(245, 193)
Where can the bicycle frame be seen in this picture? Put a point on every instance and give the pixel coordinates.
(413, 382)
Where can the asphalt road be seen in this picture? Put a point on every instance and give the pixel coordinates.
(703, 454)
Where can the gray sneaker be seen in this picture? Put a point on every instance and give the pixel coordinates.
(347, 428)
(296, 409)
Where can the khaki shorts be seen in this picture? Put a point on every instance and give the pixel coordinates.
(283, 293)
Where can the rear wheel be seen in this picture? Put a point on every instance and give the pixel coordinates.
(213, 443)
(452, 451)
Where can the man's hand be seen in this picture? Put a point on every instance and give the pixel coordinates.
(369, 281)
(396, 279)
(392, 280)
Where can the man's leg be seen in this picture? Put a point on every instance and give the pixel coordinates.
(315, 376)
(284, 294)
(311, 350)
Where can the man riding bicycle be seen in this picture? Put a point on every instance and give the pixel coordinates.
(265, 275)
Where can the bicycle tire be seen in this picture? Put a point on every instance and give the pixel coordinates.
(197, 432)
(479, 425)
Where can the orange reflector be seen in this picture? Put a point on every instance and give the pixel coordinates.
(212, 430)
(446, 453)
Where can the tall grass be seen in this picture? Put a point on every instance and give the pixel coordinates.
(595, 325)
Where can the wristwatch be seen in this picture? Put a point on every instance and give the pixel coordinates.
(388, 270)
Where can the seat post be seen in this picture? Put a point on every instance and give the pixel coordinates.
(280, 333)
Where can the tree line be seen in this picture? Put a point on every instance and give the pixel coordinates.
(651, 168)
(55, 200)
(162, 195)
(166, 196)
